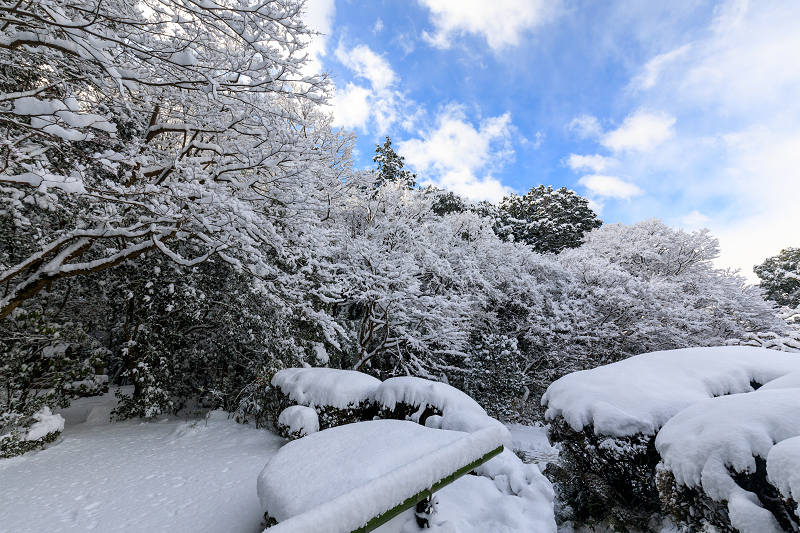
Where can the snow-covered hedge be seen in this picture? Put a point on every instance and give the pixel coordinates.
(718, 450)
(45, 429)
(338, 396)
(607, 418)
(415, 399)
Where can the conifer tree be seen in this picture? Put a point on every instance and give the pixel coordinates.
(390, 167)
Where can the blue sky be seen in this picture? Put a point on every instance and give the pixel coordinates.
(687, 111)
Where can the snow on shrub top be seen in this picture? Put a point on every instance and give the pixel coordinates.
(470, 422)
(338, 479)
(422, 392)
(789, 381)
(783, 467)
(318, 387)
(700, 444)
(300, 420)
(639, 394)
(46, 423)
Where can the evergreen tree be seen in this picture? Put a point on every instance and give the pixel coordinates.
(390, 167)
(546, 219)
(780, 277)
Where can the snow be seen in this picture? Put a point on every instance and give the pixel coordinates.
(474, 505)
(184, 59)
(470, 422)
(701, 442)
(338, 479)
(300, 420)
(421, 392)
(46, 423)
(533, 442)
(789, 381)
(314, 387)
(138, 477)
(640, 394)
(783, 467)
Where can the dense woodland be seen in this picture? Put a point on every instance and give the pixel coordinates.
(178, 214)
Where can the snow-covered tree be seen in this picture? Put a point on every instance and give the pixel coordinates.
(546, 219)
(390, 166)
(644, 287)
(150, 124)
(780, 277)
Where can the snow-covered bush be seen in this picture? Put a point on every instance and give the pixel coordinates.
(416, 399)
(606, 421)
(716, 452)
(297, 421)
(783, 469)
(338, 396)
(43, 428)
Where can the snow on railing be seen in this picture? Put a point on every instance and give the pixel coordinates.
(376, 502)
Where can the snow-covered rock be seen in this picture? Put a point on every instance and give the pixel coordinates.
(298, 421)
(783, 467)
(314, 387)
(640, 394)
(419, 394)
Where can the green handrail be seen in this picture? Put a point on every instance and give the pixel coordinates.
(415, 499)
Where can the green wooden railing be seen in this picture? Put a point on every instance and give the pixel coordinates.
(427, 493)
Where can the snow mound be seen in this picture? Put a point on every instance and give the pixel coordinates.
(783, 467)
(789, 381)
(470, 422)
(421, 393)
(300, 420)
(46, 423)
(99, 415)
(318, 387)
(701, 443)
(640, 394)
(338, 479)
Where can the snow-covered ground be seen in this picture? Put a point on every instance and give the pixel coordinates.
(134, 476)
(532, 441)
(173, 475)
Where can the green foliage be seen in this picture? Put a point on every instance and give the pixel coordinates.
(12, 444)
(390, 167)
(604, 479)
(780, 277)
(495, 375)
(44, 363)
(547, 220)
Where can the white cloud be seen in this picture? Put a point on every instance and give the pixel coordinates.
(352, 108)
(595, 163)
(318, 15)
(586, 126)
(458, 156)
(378, 27)
(367, 64)
(652, 69)
(500, 22)
(641, 131)
(405, 42)
(378, 107)
(602, 186)
(694, 219)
